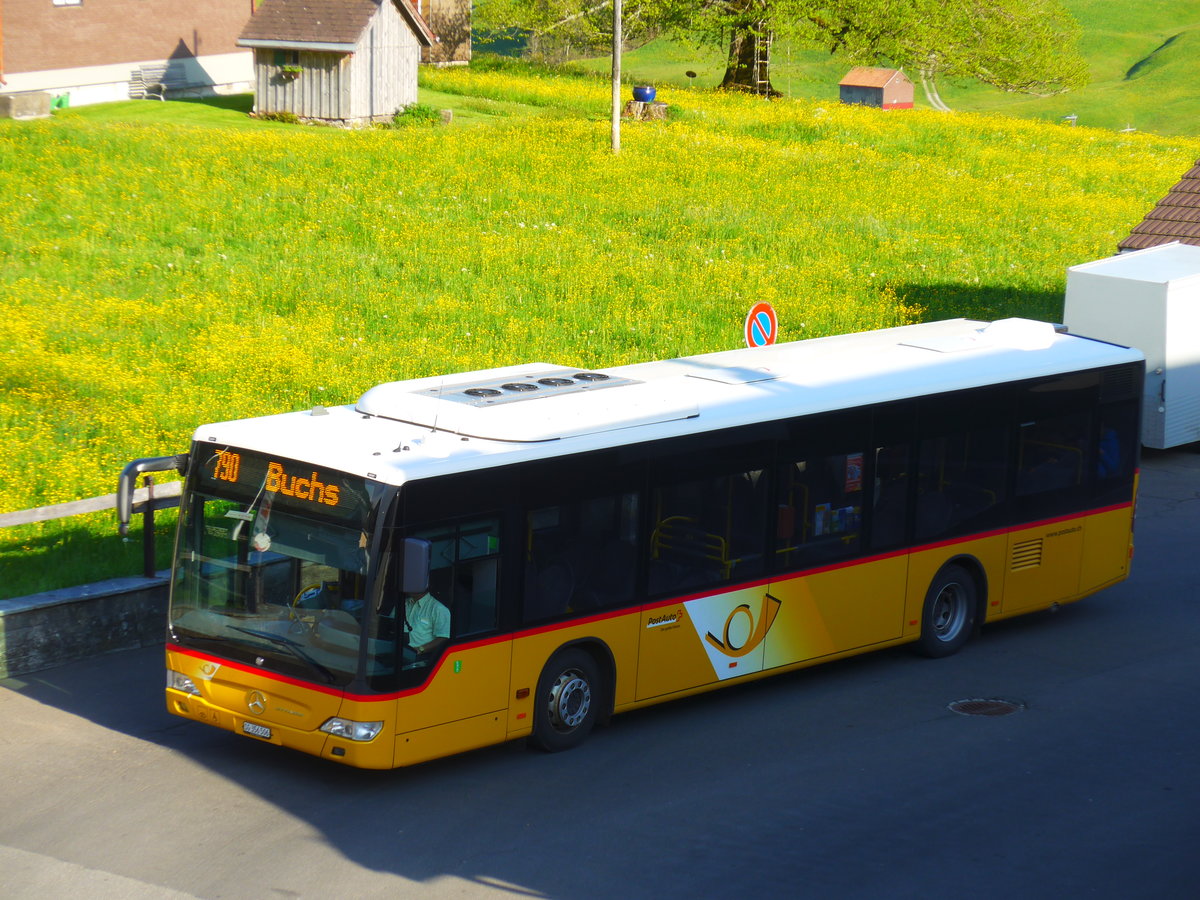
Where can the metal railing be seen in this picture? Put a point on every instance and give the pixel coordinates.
(128, 501)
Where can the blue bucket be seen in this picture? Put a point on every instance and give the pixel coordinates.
(644, 93)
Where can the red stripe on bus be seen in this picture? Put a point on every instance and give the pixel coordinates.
(242, 667)
(637, 610)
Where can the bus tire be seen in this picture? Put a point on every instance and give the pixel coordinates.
(950, 611)
(568, 701)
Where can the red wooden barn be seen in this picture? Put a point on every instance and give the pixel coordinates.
(883, 88)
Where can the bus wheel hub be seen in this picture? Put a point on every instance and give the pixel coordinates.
(570, 700)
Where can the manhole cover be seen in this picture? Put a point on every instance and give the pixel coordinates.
(990, 707)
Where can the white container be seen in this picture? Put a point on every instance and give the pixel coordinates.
(1148, 299)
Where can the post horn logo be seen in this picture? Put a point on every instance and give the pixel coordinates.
(256, 702)
(754, 631)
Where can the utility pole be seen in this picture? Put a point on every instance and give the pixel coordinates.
(616, 78)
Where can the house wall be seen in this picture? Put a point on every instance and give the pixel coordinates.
(384, 70)
(321, 91)
(89, 50)
(39, 35)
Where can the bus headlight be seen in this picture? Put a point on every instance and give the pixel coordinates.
(181, 682)
(348, 728)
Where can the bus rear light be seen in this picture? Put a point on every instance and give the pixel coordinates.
(348, 728)
(180, 682)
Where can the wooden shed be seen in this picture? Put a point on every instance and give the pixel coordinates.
(882, 88)
(349, 62)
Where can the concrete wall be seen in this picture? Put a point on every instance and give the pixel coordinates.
(44, 630)
(229, 73)
(32, 105)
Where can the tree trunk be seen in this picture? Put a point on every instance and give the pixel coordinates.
(748, 67)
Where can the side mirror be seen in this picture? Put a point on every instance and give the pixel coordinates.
(129, 476)
(415, 566)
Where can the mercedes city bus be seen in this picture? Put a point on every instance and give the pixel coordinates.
(577, 543)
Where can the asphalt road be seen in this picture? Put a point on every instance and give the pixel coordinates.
(850, 780)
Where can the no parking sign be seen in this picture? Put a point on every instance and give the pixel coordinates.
(762, 325)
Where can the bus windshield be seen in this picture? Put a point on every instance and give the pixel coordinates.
(258, 580)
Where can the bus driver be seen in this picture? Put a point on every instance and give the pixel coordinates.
(428, 623)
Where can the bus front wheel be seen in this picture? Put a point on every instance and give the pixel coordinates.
(949, 614)
(568, 701)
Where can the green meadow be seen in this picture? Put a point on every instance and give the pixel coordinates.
(1144, 60)
(164, 265)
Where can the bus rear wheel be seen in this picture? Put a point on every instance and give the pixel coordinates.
(951, 609)
(568, 701)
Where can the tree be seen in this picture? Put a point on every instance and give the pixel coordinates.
(750, 26)
(557, 28)
(1029, 46)
(1026, 46)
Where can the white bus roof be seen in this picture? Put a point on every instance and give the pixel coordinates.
(427, 426)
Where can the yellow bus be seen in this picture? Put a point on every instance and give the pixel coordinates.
(458, 561)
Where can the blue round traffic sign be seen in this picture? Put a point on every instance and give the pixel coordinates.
(762, 325)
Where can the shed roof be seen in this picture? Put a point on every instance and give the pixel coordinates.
(1175, 218)
(329, 23)
(865, 76)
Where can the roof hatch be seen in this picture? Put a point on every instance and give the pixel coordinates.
(1014, 334)
(569, 402)
(492, 391)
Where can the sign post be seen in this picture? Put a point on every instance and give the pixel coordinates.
(616, 77)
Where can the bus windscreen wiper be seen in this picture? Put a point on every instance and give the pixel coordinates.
(296, 649)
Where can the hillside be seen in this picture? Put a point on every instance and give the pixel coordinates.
(169, 264)
(1144, 59)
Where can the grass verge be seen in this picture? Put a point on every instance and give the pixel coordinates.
(169, 264)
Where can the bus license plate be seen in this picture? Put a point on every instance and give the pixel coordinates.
(261, 731)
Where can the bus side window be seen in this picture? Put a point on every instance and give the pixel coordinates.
(890, 503)
(1116, 445)
(820, 510)
(707, 531)
(580, 555)
(960, 481)
(465, 572)
(962, 461)
(1056, 444)
(1053, 454)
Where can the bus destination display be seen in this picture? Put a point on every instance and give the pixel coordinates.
(301, 486)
